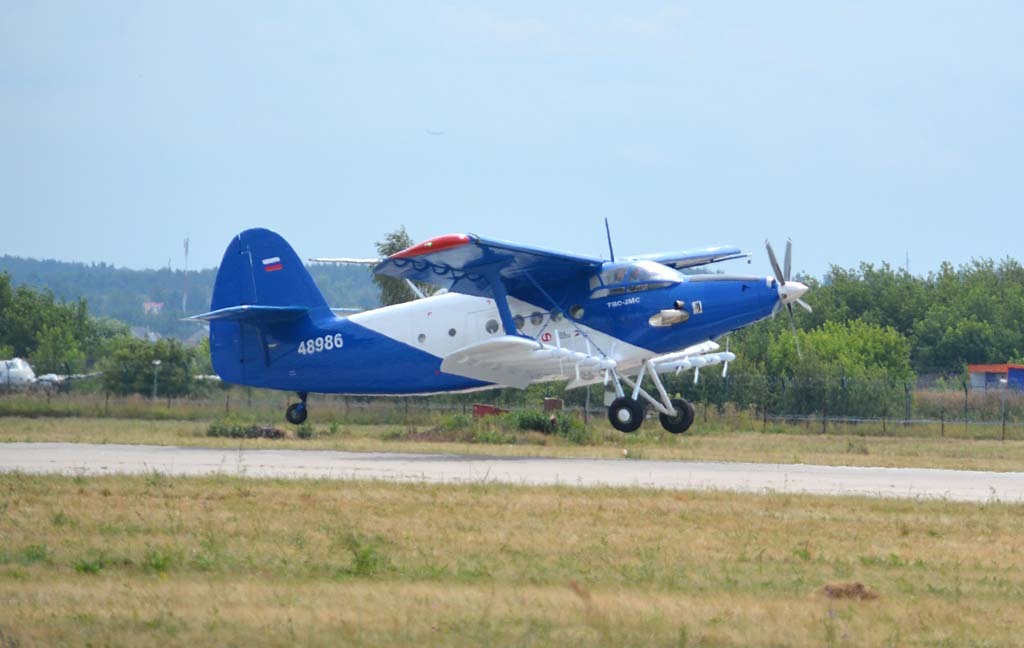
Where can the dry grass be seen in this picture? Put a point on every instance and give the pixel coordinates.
(742, 445)
(156, 561)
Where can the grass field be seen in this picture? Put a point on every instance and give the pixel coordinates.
(828, 449)
(156, 561)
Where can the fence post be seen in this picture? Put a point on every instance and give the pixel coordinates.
(964, 383)
(1004, 426)
(227, 403)
(764, 418)
(586, 409)
(906, 404)
(942, 422)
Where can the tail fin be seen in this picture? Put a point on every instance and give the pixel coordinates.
(262, 287)
(260, 268)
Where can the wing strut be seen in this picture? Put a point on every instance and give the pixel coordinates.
(559, 310)
(501, 301)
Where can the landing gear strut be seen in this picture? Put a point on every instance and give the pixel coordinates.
(626, 413)
(296, 412)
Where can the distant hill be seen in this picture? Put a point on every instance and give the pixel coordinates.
(122, 294)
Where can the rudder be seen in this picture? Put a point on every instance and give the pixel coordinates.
(261, 268)
(261, 286)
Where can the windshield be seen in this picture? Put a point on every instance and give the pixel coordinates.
(635, 276)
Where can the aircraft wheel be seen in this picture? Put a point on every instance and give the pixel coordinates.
(625, 414)
(296, 413)
(683, 419)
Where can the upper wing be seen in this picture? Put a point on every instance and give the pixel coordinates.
(345, 260)
(693, 258)
(469, 264)
(516, 362)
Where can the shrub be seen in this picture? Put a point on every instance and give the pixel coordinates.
(493, 436)
(528, 420)
(457, 422)
(35, 554)
(367, 558)
(304, 431)
(561, 424)
(234, 428)
(157, 560)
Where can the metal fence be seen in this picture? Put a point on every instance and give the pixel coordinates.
(754, 403)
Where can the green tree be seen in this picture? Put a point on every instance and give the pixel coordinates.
(392, 290)
(57, 351)
(130, 369)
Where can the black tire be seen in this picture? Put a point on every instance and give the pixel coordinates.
(296, 413)
(625, 414)
(683, 419)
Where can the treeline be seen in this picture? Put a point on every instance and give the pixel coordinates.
(873, 331)
(949, 318)
(119, 293)
(62, 338)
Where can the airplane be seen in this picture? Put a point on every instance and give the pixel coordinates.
(16, 374)
(509, 315)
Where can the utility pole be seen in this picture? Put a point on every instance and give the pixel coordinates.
(156, 368)
(184, 294)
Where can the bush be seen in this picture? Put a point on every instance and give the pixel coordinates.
(304, 431)
(494, 437)
(457, 422)
(528, 420)
(560, 423)
(234, 428)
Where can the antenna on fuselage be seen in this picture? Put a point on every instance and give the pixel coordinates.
(608, 231)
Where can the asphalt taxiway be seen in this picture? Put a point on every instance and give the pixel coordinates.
(923, 483)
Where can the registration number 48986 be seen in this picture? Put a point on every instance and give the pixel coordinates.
(322, 343)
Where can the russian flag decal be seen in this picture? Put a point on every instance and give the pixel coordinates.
(273, 264)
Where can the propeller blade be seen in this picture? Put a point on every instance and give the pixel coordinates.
(775, 263)
(806, 306)
(789, 259)
(792, 324)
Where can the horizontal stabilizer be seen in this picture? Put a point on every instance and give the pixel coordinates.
(253, 313)
(516, 362)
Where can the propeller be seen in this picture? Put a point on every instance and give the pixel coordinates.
(790, 292)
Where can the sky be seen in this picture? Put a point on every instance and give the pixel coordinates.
(865, 131)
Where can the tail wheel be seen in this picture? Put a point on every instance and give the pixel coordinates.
(296, 413)
(683, 419)
(625, 414)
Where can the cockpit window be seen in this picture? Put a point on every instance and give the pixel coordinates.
(636, 276)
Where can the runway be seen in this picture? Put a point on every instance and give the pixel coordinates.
(921, 483)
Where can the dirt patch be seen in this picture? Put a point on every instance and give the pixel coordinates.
(857, 591)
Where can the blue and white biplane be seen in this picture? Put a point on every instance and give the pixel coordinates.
(507, 316)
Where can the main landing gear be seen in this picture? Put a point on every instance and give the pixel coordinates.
(296, 412)
(626, 413)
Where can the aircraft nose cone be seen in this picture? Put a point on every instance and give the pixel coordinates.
(792, 291)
